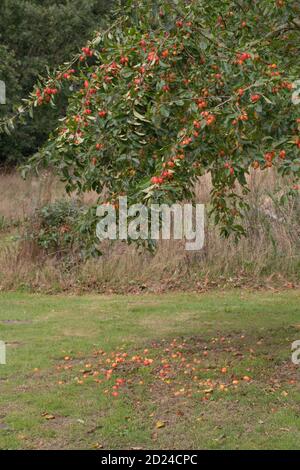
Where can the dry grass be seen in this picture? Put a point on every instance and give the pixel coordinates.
(268, 256)
(19, 198)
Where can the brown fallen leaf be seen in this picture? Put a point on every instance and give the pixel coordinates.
(48, 416)
(98, 446)
(160, 424)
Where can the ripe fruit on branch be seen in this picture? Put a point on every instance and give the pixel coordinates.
(157, 180)
(153, 57)
(282, 154)
(255, 98)
(50, 91)
(202, 104)
(186, 141)
(242, 57)
(269, 156)
(87, 51)
(167, 174)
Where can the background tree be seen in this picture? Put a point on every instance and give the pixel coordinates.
(38, 35)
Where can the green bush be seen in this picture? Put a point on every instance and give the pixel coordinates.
(58, 230)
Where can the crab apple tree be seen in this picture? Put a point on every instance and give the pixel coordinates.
(174, 90)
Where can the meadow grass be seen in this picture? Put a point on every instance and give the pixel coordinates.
(268, 256)
(209, 371)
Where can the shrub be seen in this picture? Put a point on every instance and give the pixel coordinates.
(57, 229)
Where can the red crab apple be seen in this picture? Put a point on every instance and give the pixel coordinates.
(282, 154)
(255, 98)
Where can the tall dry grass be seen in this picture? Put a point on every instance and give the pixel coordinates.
(269, 255)
(19, 198)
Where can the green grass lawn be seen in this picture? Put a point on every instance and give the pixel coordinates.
(210, 371)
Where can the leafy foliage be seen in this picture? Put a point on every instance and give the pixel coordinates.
(177, 89)
(60, 230)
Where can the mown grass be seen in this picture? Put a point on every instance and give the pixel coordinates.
(219, 372)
